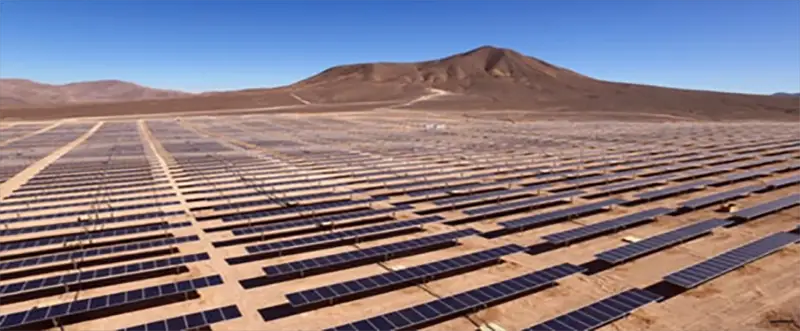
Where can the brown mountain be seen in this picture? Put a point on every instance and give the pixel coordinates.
(497, 78)
(486, 78)
(486, 72)
(23, 92)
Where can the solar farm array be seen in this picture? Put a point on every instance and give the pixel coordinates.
(368, 222)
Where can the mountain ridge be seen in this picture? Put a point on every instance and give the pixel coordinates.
(484, 78)
(21, 92)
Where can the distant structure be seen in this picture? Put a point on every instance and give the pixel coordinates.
(435, 126)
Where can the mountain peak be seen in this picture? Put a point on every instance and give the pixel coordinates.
(455, 73)
(493, 49)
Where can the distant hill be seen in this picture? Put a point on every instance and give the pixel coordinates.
(784, 94)
(485, 78)
(497, 78)
(23, 92)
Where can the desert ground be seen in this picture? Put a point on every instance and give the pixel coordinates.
(318, 220)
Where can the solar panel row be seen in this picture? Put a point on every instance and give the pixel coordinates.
(721, 264)
(768, 207)
(672, 190)
(660, 241)
(759, 162)
(317, 220)
(277, 200)
(521, 204)
(720, 197)
(22, 244)
(585, 181)
(34, 261)
(259, 187)
(412, 317)
(77, 176)
(88, 275)
(20, 319)
(282, 245)
(259, 190)
(102, 195)
(92, 211)
(40, 193)
(295, 209)
(556, 215)
(190, 321)
(778, 183)
(404, 187)
(573, 235)
(632, 184)
(600, 313)
(446, 189)
(87, 203)
(481, 196)
(360, 257)
(391, 280)
(732, 178)
(68, 225)
(102, 182)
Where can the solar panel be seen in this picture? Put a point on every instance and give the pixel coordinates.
(600, 313)
(85, 203)
(632, 184)
(84, 276)
(573, 235)
(742, 176)
(782, 182)
(317, 220)
(363, 256)
(258, 192)
(272, 201)
(703, 172)
(393, 280)
(556, 215)
(424, 182)
(585, 181)
(486, 195)
(40, 193)
(672, 190)
(720, 197)
(93, 211)
(728, 159)
(719, 265)
(76, 197)
(658, 242)
(68, 225)
(90, 181)
(191, 321)
(465, 302)
(21, 319)
(262, 187)
(22, 244)
(567, 172)
(669, 168)
(446, 189)
(294, 209)
(299, 244)
(521, 204)
(758, 162)
(768, 207)
(21, 263)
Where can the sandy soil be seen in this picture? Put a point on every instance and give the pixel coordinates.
(243, 163)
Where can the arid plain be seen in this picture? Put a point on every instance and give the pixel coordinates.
(399, 219)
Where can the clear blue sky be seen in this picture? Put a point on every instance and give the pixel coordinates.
(732, 45)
